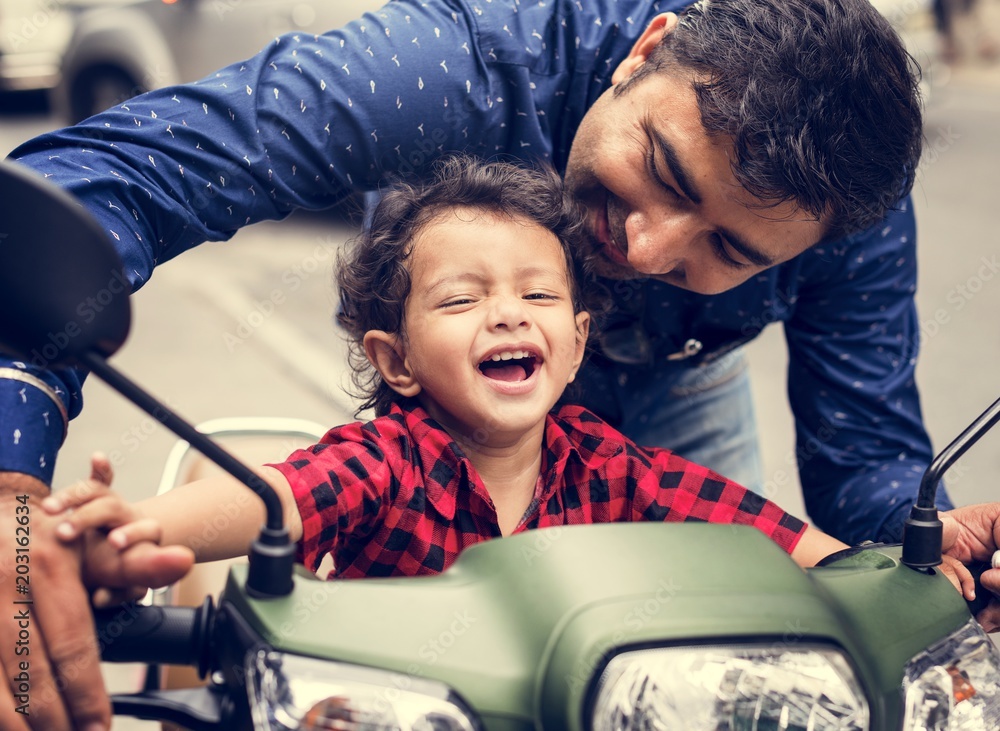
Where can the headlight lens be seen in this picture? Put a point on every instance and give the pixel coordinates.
(953, 685)
(730, 688)
(290, 692)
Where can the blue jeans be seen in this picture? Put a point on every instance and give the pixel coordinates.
(705, 414)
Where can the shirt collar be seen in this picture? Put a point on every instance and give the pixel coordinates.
(571, 433)
(574, 434)
(443, 463)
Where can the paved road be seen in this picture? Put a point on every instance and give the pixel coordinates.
(209, 339)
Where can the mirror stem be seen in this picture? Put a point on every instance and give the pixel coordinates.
(922, 530)
(186, 431)
(272, 554)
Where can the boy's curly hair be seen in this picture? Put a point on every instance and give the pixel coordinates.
(372, 276)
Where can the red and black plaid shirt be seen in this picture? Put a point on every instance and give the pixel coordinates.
(397, 497)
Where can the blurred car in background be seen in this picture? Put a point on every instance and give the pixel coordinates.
(122, 48)
(33, 36)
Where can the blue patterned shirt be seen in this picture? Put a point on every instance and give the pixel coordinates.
(311, 119)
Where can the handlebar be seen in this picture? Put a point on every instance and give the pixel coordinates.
(159, 635)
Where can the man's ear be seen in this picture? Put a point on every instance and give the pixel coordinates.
(387, 355)
(658, 27)
(582, 331)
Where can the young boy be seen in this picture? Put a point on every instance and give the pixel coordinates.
(464, 307)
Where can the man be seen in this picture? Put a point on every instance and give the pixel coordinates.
(746, 163)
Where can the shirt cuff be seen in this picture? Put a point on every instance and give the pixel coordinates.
(33, 423)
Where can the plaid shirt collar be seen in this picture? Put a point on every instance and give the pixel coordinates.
(436, 447)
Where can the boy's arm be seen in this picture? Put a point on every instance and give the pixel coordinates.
(218, 517)
(814, 546)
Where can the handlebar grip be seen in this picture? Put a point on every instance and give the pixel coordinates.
(149, 634)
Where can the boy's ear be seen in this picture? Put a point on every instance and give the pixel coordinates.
(387, 355)
(582, 331)
(658, 27)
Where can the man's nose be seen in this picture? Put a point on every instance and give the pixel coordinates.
(508, 313)
(658, 243)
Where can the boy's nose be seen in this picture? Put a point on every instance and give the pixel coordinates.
(509, 313)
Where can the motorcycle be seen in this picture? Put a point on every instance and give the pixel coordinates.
(595, 627)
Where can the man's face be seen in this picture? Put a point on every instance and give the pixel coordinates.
(661, 197)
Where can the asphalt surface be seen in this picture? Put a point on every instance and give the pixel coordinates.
(244, 328)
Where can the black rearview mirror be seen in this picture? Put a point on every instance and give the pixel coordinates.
(64, 301)
(62, 292)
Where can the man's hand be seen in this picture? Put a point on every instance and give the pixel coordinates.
(972, 534)
(47, 648)
(54, 639)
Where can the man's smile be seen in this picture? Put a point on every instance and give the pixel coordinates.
(613, 221)
(606, 242)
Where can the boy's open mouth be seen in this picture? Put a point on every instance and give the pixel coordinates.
(510, 365)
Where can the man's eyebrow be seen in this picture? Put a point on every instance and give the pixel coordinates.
(747, 250)
(677, 170)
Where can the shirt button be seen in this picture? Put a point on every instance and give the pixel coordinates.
(691, 347)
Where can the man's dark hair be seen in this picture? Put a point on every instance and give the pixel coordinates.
(372, 276)
(820, 98)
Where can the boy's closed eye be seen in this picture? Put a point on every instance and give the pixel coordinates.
(458, 301)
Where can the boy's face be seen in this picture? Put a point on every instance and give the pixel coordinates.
(491, 338)
(660, 194)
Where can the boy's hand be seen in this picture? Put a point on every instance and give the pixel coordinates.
(122, 557)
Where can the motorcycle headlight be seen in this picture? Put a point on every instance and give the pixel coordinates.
(953, 685)
(729, 688)
(290, 692)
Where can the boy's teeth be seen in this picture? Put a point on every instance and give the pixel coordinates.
(517, 354)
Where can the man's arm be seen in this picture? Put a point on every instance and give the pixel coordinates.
(36, 405)
(853, 340)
